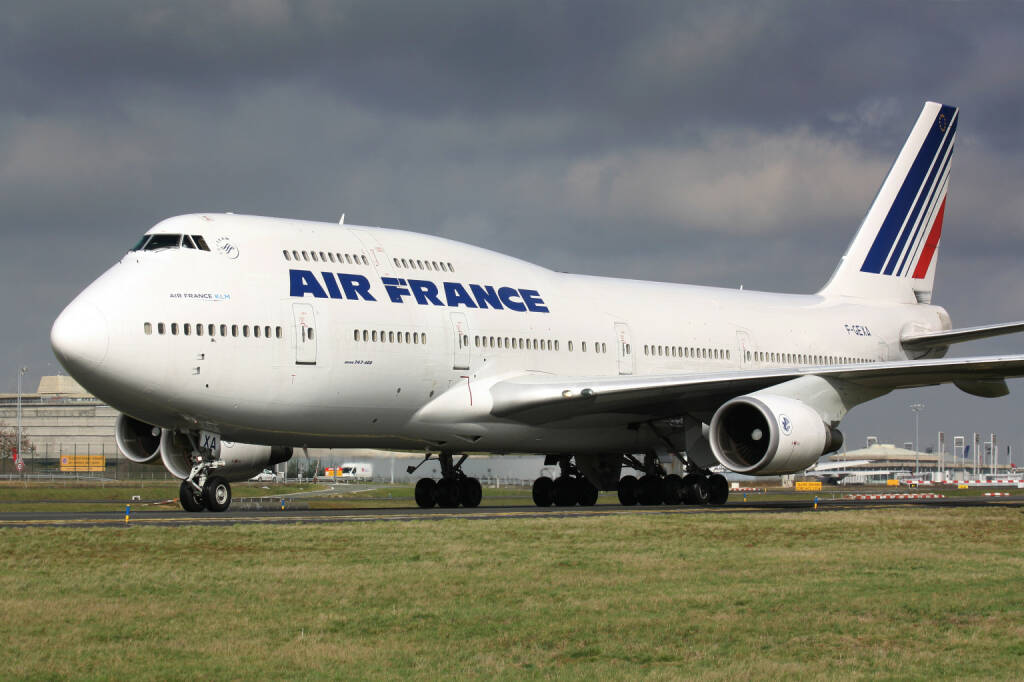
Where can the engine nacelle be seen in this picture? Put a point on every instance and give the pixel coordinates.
(769, 434)
(241, 460)
(138, 441)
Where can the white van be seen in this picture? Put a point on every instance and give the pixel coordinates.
(356, 471)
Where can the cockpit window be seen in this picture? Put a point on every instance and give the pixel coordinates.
(155, 242)
(162, 241)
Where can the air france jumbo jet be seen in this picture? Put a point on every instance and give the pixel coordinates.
(228, 341)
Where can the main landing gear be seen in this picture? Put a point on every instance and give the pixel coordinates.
(454, 488)
(568, 490)
(204, 489)
(699, 486)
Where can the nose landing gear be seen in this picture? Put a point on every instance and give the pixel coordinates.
(203, 489)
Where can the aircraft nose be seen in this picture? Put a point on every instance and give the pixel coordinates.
(80, 337)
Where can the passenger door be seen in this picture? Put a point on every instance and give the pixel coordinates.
(624, 348)
(460, 341)
(305, 334)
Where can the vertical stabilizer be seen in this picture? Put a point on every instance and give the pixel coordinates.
(894, 253)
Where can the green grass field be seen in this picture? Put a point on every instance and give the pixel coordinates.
(893, 593)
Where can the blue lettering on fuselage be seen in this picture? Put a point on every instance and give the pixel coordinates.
(424, 292)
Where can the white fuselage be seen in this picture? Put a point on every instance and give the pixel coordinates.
(339, 370)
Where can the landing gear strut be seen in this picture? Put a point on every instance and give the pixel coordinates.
(698, 486)
(569, 489)
(454, 488)
(203, 489)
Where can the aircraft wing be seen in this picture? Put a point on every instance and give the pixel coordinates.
(945, 338)
(541, 398)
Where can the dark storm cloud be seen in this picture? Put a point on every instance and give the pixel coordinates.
(726, 143)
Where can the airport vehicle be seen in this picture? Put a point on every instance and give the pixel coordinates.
(264, 476)
(276, 334)
(356, 471)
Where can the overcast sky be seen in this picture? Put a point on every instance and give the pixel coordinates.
(720, 143)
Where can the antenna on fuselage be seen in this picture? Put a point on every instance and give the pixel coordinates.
(341, 220)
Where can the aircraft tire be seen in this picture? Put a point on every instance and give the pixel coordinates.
(588, 493)
(448, 493)
(627, 491)
(217, 494)
(718, 489)
(190, 500)
(543, 492)
(472, 492)
(424, 494)
(566, 491)
(672, 489)
(649, 490)
(695, 489)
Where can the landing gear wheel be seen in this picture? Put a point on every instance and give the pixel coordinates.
(672, 489)
(217, 494)
(627, 491)
(587, 493)
(472, 492)
(191, 501)
(718, 489)
(425, 490)
(543, 492)
(447, 493)
(566, 493)
(648, 490)
(695, 489)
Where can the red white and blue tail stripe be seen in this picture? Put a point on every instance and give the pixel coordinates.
(893, 253)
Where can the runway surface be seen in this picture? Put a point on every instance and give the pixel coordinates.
(277, 516)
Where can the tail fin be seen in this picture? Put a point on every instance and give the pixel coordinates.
(892, 257)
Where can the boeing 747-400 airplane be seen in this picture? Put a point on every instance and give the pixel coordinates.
(227, 341)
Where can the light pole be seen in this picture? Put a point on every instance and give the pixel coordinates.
(21, 373)
(917, 407)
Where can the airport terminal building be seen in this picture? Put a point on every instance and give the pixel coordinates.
(59, 420)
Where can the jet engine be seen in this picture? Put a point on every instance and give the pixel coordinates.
(241, 460)
(138, 441)
(770, 434)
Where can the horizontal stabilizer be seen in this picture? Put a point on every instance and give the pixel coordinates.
(951, 336)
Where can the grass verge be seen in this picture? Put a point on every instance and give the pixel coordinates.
(909, 593)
